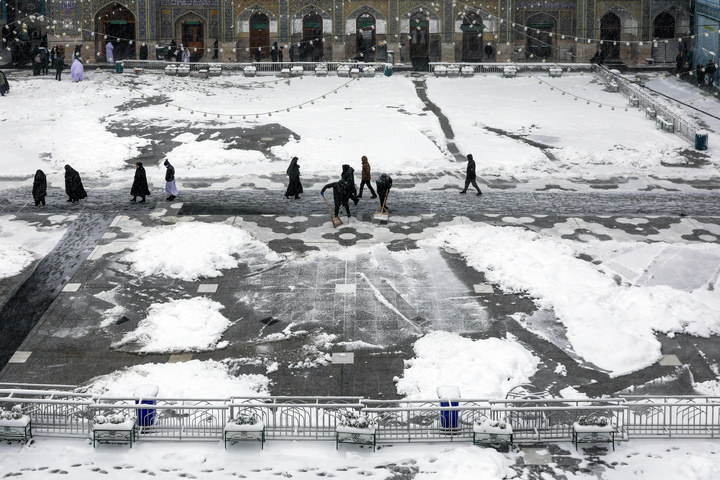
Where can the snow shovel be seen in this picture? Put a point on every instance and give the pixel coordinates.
(382, 213)
(335, 220)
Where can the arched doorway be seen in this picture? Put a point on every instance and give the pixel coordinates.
(419, 41)
(472, 44)
(664, 29)
(365, 37)
(191, 31)
(539, 36)
(117, 25)
(610, 28)
(259, 36)
(311, 45)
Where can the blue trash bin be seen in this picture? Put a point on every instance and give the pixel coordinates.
(701, 140)
(449, 396)
(146, 416)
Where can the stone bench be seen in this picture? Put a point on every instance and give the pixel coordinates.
(357, 436)
(555, 72)
(484, 434)
(16, 429)
(650, 112)
(235, 432)
(509, 72)
(593, 434)
(664, 124)
(125, 432)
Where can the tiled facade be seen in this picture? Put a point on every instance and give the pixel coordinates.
(520, 30)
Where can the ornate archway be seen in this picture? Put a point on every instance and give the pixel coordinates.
(472, 42)
(191, 29)
(116, 24)
(540, 29)
(610, 29)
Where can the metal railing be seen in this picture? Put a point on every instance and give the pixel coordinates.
(683, 127)
(520, 67)
(261, 68)
(64, 413)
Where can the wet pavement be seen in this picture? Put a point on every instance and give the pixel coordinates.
(76, 331)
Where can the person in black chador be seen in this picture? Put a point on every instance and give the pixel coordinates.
(340, 195)
(470, 175)
(73, 185)
(59, 65)
(274, 52)
(348, 176)
(598, 58)
(143, 51)
(44, 60)
(215, 47)
(39, 190)
(294, 185)
(140, 185)
(4, 84)
(384, 184)
(170, 187)
(365, 178)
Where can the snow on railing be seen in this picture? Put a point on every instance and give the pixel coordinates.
(69, 414)
(236, 68)
(682, 125)
(520, 67)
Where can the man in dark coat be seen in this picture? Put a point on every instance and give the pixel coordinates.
(44, 60)
(39, 190)
(348, 176)
(140, 185)
(340, 195)
(470, 175)
(274, 52)
(59, 65)
(384, 184)
(73, 185)
(4, 84)
(366, 178)
(294, 186)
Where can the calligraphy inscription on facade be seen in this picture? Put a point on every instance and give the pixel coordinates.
(189, 3)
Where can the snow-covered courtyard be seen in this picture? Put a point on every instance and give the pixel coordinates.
(231, 303)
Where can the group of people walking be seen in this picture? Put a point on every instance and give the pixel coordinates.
(75, 191)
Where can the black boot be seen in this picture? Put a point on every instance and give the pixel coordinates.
(134, 199)
(142, 200)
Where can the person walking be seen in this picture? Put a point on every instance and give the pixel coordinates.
(340, 195)
(294, 186)
(59, 66)
(39, 190)
(470, 175)
(170, 187)
(73, 185)
(348, 176)
(77, 70)
(109, 52)
(365, 178)
(4, 84)
(140, 185)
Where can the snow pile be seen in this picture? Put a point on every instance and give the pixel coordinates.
(608, 324)
(200, 155)
(190, 251)
(193, 379)
(13, 260)
(486, 369)
(467, 463)
(188, 325)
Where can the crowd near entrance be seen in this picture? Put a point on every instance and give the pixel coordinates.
(365, 42)
(116, 25)
(419, 41)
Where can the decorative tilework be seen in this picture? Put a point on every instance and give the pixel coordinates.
(213, 30)
(166, 23)
(284, 22)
